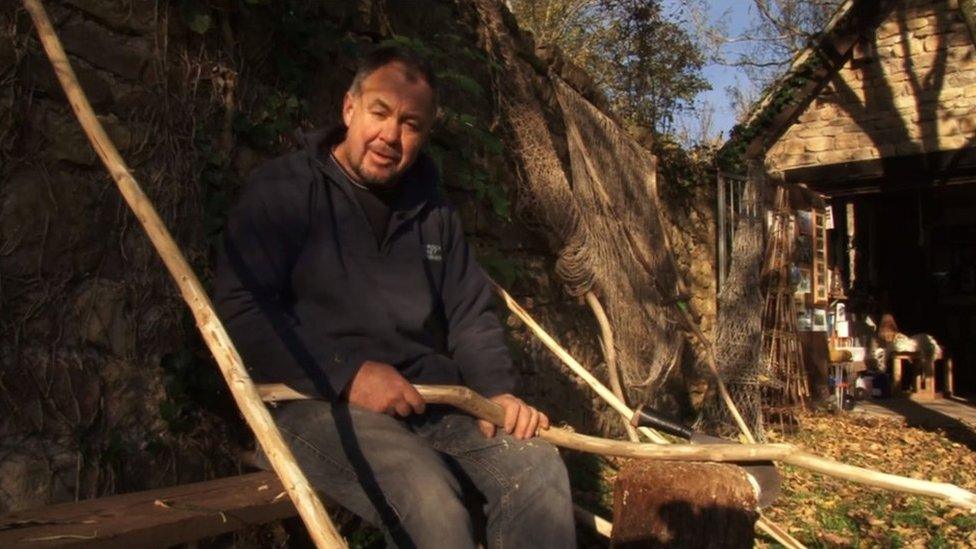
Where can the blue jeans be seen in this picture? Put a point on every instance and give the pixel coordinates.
(410, 477)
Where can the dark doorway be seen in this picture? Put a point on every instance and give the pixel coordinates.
(915, 257)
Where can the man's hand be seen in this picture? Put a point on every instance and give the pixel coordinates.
(521, 420)
(379, 387)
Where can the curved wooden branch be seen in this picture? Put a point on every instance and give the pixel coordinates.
(764, 523)
(467, 400)
(610, 357)
(574, 365)
(309, 507)
(597, 523)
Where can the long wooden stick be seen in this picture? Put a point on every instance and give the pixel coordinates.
(764, 523)
(471, 402)
(610, 357)
(779, 534)
(599, 524)
(320, 527)
(574, 365)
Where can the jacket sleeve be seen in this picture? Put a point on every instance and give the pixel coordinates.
(264, 235)
(476, 339)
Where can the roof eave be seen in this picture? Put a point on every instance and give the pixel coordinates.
(810, 70)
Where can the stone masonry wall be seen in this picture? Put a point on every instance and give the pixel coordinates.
(104, 384)
(909, 88)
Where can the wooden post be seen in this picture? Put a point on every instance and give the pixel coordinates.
(897, 367)
(309, 506)
(721, 221)
(949, 380)
(610, 356)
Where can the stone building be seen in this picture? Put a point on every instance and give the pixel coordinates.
(879, 115)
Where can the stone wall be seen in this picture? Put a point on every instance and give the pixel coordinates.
(909, 88)
(88, 317)
(105, 386)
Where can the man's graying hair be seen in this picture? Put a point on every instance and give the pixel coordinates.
(417, 66)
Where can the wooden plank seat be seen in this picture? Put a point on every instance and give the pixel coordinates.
(153, 518)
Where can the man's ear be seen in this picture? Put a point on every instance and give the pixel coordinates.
(347, 108)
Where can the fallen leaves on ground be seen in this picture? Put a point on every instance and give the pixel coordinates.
(823, 511)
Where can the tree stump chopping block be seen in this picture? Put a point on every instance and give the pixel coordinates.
(683, 504)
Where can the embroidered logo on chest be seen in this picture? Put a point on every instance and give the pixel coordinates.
(434, 253)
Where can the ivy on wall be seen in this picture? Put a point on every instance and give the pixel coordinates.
(785, 94)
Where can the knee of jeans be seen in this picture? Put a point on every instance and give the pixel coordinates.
(427, 494)
(542, 469)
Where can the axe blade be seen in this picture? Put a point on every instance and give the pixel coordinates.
(763, 474)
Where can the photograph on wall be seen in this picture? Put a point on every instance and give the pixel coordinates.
(803, 282)
(803, 249)
(804, 222)
(819, 320)
(804, 320)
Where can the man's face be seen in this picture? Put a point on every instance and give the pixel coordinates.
(387, 122)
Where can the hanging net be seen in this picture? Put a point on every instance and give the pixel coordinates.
(595, 193)
(738, 327)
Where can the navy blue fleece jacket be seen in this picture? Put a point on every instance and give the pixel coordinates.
(308, 295)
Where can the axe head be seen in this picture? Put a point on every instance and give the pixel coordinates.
(763, 474)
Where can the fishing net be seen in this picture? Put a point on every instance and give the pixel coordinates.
(738, 328)
(595, 191)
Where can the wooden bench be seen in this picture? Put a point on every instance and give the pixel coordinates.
(924, 385)
(154, 518)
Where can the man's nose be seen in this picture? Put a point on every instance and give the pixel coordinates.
(390, 132)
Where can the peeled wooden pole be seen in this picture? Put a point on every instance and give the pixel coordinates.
(610, 357)
(597, 523)
(777, 532)
(471, 402)
(320, 527)
(617, 404)
(574, 365)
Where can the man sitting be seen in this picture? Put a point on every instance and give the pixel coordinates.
(343, 272)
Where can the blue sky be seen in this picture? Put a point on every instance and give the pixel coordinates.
(736, 16)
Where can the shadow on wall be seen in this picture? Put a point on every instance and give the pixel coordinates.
(925, 78)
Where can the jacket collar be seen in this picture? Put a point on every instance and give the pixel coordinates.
(420, 182)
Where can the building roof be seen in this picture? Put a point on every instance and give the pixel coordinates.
(809, 72)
